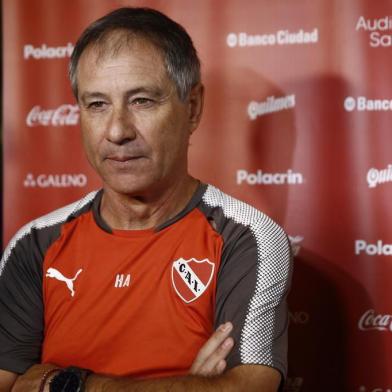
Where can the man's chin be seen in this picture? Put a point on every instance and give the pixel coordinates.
(129, 187)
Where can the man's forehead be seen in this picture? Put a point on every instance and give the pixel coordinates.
(121, 43)
(134, 66)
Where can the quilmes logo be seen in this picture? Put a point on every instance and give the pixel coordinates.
(377, 249)
(364, 104)
(280, 37)
(371, 320)
(64, 115)
(379, 30)
(376, 177)
(270, 105)
(55, 181)
(262, 178)
(47, 52)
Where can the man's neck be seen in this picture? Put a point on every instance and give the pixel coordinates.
(127, 212)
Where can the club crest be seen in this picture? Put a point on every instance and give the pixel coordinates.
(191, 277)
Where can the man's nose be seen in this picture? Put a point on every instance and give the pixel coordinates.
(121, 128)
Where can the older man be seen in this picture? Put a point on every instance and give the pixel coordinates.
(131, 281)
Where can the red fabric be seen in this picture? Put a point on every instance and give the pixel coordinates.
(122, 330)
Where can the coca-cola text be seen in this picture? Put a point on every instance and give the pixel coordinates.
(64, 115)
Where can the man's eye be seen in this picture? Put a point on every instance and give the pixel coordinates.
(142, 101)
(96, 105)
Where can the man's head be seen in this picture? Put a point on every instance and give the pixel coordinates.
(138, 102)
(174, 43)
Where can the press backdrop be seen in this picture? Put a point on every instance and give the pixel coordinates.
(297, 122)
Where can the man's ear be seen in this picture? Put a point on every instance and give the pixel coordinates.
(195, 105)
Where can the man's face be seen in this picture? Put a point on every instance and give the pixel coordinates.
(135, 128)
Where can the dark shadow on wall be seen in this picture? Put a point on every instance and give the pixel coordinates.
(271, 145)
(325, 346)
(329, 352)
(229, 141)
(326, 352)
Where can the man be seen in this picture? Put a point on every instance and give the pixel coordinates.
(131, 281)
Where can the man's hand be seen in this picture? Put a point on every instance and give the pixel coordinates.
(210, 360)
(31, 380)
(7, 380)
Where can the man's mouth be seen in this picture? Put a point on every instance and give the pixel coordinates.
(123, 158)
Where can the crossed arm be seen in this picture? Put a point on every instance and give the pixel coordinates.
(206, 374)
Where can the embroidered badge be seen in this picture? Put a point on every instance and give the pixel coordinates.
(191, 277)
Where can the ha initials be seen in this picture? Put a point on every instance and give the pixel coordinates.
(122, 280)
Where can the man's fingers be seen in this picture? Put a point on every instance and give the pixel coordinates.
(215, 364)
(212, 345)
(216, 339)
(217, 371)
(220, 367)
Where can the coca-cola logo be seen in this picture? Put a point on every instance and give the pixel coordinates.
(370, 320)
(64, 115)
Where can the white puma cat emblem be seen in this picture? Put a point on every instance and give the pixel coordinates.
(53, 273)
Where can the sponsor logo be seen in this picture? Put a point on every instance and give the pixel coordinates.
(295, 243)
(300, 317)
(293, 384)
(281, 37)
(363, 104)
(55, 181)
(377, 249)
(362, 388)
(376, 177)
(47, 52)
(379, 30)
(260, 178)
(370, 320)
(270, 105)
(53, 273)
(122, 280)
(190, 278)
(64, 115)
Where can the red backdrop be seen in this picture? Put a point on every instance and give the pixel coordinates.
(296, 122)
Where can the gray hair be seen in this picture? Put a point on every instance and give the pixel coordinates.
(180, 56)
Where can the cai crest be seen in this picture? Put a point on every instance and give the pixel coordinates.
(191, 277)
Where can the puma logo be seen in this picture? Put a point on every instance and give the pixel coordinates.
(53, 273)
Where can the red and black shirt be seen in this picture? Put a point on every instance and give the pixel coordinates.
(141, 303)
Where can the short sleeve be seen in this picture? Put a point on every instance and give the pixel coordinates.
(21, 302)
(21, 306)
(252, 287)
(253, 280)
